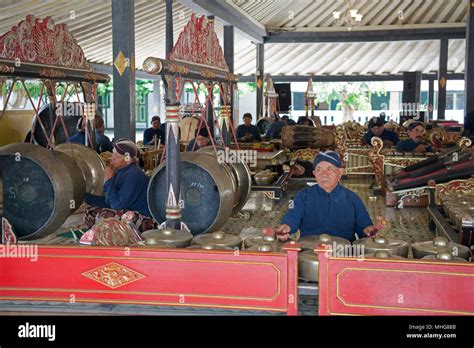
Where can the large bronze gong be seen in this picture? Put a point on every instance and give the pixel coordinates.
(90, 163)
(241, 177)
(206, 192)
(41, 188)
(47, 114)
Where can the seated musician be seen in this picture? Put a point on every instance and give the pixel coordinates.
(415, 142)
(80, 136)
(102, 141)
(154, 132)
(202, 140)
(327, 207)
(305, 121)
(247, 132)
(125, 189)
(377, 129)
(274, 129)
(288, 121)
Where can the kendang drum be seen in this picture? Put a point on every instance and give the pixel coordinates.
(294, 137)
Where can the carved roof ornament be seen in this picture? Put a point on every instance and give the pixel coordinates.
(42, 42)
(270, 89)
(198, 44)
(309, 90)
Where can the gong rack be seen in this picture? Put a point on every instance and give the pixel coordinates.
(41, 50)
(197, 58)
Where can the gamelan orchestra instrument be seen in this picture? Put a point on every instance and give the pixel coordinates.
(46, 186)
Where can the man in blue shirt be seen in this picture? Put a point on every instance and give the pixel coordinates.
(288, 121)
(327, 207)
(125, 187)
(80, 136)
(202, 140)
(247, 132)
(103, 143)
(274, 130)
(415, 141)
(377, 129)
(154, 132)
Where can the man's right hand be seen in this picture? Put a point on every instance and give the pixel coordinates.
(283, 232)
(421, 148)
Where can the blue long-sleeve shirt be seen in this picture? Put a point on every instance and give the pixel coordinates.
(274, 130)
(251, 129)
(386, 135)
(127, 189)
(410, 145)
(149, 133)
(340, 213)
(79, 138)
(103, 142)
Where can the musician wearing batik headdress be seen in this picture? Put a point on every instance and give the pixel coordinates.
(416, 138)
(125, 189)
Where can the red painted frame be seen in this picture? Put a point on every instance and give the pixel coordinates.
(162, 277)
(349, 286)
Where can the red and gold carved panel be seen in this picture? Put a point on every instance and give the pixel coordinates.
(42, 42)
(160, 277)
(351, 286)
(198, 44)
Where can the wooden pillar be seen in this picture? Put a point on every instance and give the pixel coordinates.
(430, 99)
(469, 72)
(173, 157)
(123, 43)
(411, 92)
(229, 57)
(169, 28)
(259, 79)
(157, 98)
(442, 77)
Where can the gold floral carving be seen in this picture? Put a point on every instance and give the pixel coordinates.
(46, 72)
(459, 186)
(113, 275)
(6, 69)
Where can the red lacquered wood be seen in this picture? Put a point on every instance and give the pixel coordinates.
(394, 287)
(292, 249)
(176, 277)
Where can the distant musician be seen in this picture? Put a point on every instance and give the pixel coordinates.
(377, 129)
(248, 132)
(103, 143)
(202, 140)
(415, 143)
(80, 136)
(154, 132)
(274, 129)
(288, 121)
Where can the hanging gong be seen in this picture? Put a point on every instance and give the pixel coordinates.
(41, 188)
(206, 193)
